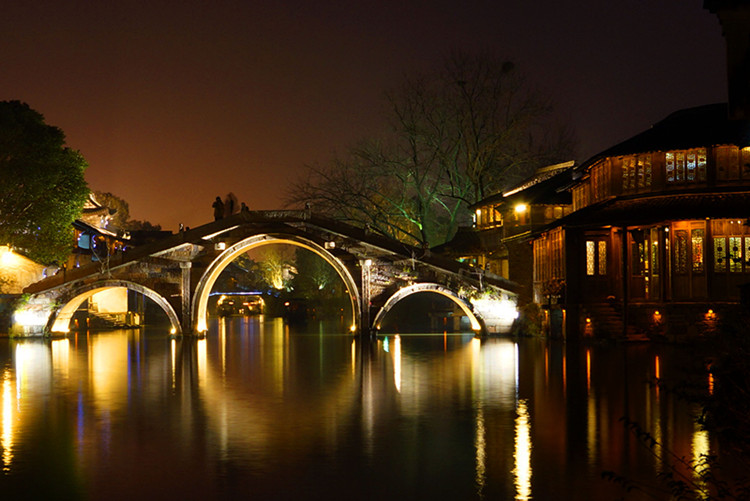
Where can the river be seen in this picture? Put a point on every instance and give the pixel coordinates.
(259, 410)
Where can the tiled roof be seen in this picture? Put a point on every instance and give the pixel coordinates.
(661, 207)
(690, 128)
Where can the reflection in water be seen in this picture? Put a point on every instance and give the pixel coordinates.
(701, 449)
(522, 454)
(480, 445)
(397, 362)
(258, 409)
(6, 440)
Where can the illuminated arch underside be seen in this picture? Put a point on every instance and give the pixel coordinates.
(476, 324)
(60, 320)
(206, 283)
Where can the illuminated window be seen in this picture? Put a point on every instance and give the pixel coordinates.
(628, 170)
(644, 169)
(696, 237)
(680, 251)
(735, 254)
(590, 258)
(679, 166)
(636, 172)
(720, 262)
(602, 256)
(686, 166)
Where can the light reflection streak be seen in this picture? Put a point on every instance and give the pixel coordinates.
(61, 356)
(592, 429)
(701, 449)
(522, 454)
(588, 371)
(223, 348)
(200, 348)
(397, 362)
(657, 375)
(173, 356)
(6, 439)
(480, 446)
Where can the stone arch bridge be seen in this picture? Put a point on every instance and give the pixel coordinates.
(178, 273)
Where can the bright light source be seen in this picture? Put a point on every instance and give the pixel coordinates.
(220, 245)
(353, 328)
(368, 262)
(521, 208)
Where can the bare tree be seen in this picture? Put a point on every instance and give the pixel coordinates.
(455, 136)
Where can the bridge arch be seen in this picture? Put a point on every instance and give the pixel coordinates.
(206, 283)
(476, 321)
(59, 320)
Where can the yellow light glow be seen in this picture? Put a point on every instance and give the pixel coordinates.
(202, 362)
(353, 328)
(479, 212)
(6, 255)
(480, 446)
(397, 362)
(701, 448)
(6, 439)
(521, 208)
(522, 454)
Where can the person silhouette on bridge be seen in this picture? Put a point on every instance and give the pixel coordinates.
(218, 206)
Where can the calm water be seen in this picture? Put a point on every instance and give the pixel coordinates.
(258, 411)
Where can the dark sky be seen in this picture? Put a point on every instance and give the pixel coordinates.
(173, 103)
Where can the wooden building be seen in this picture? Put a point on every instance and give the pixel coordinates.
(657, 240)
(505, 222)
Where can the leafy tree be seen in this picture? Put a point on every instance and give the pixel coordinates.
(122, 209)
(43, 189)
(456, 135)
(138, 225)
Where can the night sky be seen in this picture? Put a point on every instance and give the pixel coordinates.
(173, 103)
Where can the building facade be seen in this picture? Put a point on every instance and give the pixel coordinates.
(657, 241)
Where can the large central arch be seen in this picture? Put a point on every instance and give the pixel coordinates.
(59, 320)
(476, 321)
(206, 283)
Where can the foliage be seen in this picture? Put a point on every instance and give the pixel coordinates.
(529, 322)
(43, 189)
(727, 410)
(682, 478)
(724, 359)
(316, 278)
(456, 135)
(138, 225)
(120, 206)
(276, 266)
(121, 217)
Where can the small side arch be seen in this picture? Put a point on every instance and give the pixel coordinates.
(59, 320)
(206, 283)
(477, 324)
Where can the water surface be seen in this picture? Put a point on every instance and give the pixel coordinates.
(260, 410)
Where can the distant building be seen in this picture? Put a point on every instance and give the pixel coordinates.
(504, 223)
